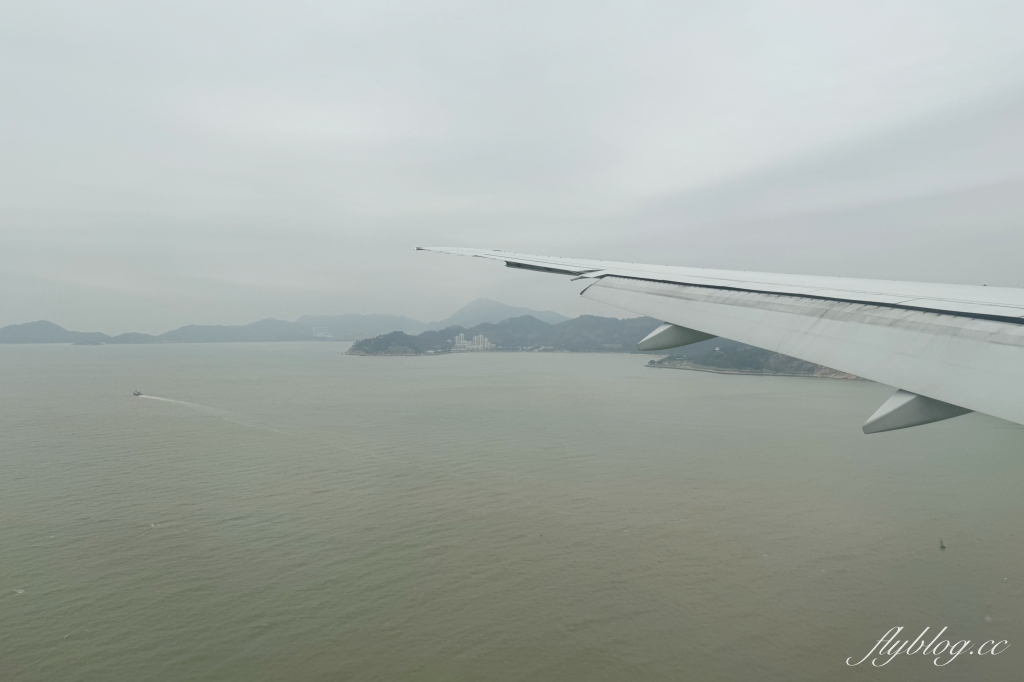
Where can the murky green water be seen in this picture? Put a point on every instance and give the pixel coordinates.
(287, 512)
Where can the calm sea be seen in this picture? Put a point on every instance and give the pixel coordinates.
(287, 512)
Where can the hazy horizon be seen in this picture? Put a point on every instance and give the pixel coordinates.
(620, 314)
(221, 163)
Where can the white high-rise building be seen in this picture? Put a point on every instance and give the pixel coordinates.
(478, 342)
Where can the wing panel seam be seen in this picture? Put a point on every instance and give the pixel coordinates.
(936, 311)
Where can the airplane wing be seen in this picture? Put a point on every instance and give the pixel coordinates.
(950, 349)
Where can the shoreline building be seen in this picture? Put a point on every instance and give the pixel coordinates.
(478, 342)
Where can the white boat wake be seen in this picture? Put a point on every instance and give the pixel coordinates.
(226, 415)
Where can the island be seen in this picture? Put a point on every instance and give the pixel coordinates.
(591, 334)
(731, 357)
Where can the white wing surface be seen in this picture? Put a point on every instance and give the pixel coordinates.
(951, 349)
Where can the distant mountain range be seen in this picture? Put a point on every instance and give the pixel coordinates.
(508, 328)
(348, 327)
(48, 332)
(353, 327)
(484, 310)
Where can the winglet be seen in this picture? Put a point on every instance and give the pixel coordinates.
(522, 261)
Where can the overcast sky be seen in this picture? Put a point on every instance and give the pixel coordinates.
(221, 162)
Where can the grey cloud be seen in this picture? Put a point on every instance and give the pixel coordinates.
(174, 163)
(940, 197)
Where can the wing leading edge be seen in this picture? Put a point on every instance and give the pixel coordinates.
(958, 348)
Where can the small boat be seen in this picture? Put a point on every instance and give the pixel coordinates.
(137, 393)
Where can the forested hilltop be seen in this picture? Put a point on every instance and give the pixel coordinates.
(584, 334)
